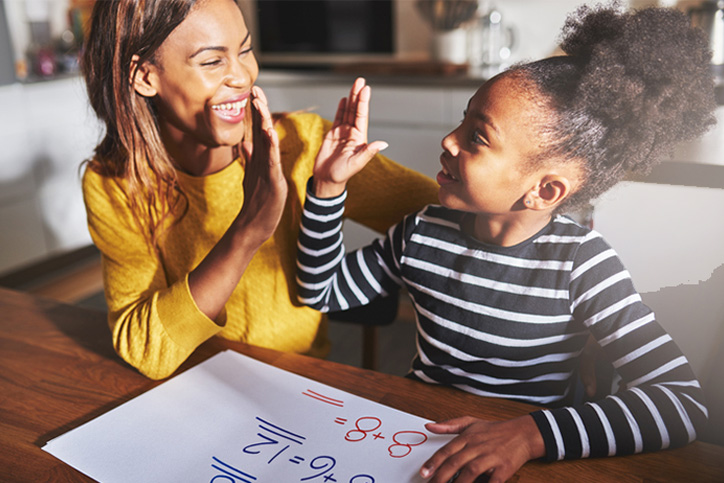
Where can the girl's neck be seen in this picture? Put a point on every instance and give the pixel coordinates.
(508, 232)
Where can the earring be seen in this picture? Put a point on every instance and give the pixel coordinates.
(527, 202)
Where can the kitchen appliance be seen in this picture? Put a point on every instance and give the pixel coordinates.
(321, 32)
(709, 16)
(491, 41)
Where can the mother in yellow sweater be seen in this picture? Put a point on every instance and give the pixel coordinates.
(194, 195)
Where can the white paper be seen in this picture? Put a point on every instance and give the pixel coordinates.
(232, 419)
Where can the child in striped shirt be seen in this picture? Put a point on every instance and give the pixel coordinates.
(507, 290)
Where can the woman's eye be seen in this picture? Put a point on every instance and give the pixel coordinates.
(246, 51)
(211, 62)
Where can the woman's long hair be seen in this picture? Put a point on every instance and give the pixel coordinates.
(132, 149)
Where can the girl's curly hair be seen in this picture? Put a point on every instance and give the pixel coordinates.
(632, 85)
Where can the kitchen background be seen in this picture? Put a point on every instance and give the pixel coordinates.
(667, 227)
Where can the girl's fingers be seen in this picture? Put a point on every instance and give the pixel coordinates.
(341, 111)
(361, 119)
(351, 110)
(450, 426)
(364, 156)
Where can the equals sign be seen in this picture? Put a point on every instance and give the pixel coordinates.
(297, 460)
(340, 421)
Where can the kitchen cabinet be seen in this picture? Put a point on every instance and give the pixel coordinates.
(46, 130)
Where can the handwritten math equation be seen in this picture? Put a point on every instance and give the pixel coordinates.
(273, 445)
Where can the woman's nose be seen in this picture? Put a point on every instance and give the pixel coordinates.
(239, 74)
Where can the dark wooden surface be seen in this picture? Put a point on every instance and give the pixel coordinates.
(58, 370)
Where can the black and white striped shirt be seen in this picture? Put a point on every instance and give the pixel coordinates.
(512, 321)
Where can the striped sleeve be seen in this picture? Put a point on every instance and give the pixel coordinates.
(660, 404)
(328, 279)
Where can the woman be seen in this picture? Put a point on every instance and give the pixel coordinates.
(194, 195)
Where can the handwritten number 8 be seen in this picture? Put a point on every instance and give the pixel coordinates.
(363, 432)
(406, 448)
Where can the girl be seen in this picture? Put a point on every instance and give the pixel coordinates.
(505, 289)
(193, 204)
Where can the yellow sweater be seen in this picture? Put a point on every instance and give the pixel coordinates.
(153, 318)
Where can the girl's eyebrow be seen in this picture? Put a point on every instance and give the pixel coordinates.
(486, 120)
(216, 48)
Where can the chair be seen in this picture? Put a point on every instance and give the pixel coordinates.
(381, 311)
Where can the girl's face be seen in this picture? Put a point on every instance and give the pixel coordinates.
(484, 159)
(202, 75)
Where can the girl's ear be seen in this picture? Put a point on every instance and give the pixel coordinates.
(142, 78)
(548, 193)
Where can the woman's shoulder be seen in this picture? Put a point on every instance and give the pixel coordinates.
(99, 187)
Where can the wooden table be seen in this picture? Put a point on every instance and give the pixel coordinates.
(58, 370)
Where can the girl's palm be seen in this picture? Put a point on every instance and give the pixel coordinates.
(344, 151)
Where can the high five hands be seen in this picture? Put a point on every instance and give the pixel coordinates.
(265, 188)
(345, 151)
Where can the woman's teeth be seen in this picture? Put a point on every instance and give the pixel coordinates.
(235, 107)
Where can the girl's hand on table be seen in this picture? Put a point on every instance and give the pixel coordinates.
(265, 188)
(495, 448)
(345, 151)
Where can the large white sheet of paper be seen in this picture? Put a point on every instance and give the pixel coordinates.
(232, 419)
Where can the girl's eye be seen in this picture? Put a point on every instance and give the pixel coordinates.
(478, 138)
(211, 62)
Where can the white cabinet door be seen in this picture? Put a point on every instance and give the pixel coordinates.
(417, 148)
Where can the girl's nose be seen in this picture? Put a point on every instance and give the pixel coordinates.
(449, 143)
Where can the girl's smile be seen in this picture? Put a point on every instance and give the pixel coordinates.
(488, 166)
(485, 159)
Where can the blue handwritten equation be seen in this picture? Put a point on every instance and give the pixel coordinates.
(274, 445)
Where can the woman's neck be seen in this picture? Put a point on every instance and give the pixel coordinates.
(195, 158)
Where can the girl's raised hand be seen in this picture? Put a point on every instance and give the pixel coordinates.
(345, 151)
(265, 188)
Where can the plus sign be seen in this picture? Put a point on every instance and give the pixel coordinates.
(329, 478)
(378, 436)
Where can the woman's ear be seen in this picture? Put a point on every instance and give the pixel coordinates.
(142, 78)
(551, 190)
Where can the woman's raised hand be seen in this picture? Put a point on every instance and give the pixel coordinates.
(345, 151)
(265, 188)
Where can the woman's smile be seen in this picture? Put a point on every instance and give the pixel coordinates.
(233, 110)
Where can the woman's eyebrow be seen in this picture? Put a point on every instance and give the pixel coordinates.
(217, 48)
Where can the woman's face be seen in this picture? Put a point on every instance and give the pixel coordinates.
(203, 74)
(484, 160)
